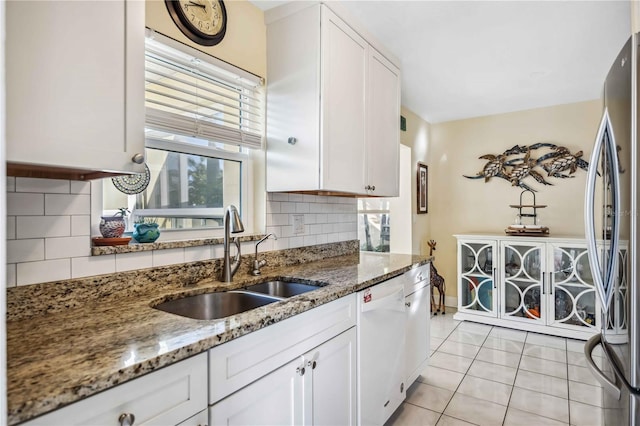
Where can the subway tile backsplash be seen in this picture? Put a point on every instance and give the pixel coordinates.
(49, 231)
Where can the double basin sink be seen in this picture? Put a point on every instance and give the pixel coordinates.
(210, 306)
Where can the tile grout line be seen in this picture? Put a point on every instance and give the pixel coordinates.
(465, 373)
(516, 377)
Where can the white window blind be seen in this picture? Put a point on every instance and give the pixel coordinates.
(194, 94)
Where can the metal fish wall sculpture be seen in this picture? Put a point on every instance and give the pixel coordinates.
(556, 161)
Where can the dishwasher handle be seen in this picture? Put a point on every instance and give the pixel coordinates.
(385, 302)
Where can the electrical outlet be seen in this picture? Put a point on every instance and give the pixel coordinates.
(298, 224)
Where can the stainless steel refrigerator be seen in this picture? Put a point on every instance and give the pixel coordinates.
(611, 229)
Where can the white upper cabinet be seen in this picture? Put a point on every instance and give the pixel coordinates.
(383, 122)
(343, 76)
(75, 87)
(333, 106)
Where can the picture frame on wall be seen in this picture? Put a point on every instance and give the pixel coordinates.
(422, 185)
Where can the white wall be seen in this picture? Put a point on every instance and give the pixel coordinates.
(460, 205)
(49, 231)
(417, 137)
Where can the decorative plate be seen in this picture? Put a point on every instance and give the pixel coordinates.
(133, 184)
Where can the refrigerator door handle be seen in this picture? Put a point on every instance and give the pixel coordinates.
(612, 388)
(616, 364)
(604, 283)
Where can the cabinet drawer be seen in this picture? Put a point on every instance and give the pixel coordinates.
(416, 278)
(244, 360)
(165, 397)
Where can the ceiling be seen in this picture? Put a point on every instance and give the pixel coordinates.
(463, 59)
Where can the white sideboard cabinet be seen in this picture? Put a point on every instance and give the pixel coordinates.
(75, 88)
(531, 283)
(333, 105)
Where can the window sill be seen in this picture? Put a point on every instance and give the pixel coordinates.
(134, 247)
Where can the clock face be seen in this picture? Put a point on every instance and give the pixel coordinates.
(202, 21)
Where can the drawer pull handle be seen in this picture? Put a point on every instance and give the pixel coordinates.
(138, 158)
(126, 419)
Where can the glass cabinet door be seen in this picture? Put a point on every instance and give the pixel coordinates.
(476, 272)
(523, 282)
(572, 292)
(617, 314)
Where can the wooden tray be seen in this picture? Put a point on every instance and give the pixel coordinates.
(528, 232)
(99, 241)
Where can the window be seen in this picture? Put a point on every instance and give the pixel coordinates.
(202, 118)
(374, 224)
(375, 216)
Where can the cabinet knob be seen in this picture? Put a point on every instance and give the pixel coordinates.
(126, 419)
(312, 364)
(138, 158)
(300, 371)
(407, 304)
(373, 187)
(292, 141)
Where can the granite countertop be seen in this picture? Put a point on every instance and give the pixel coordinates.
(64, 355)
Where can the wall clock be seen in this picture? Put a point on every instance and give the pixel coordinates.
(202, 21)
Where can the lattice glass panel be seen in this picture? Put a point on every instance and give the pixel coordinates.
(574, 297)
(522, 282)
(476, 273)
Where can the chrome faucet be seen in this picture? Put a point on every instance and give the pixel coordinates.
(257, 264)
(232, 224)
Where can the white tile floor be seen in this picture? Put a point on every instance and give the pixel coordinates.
(484, 375)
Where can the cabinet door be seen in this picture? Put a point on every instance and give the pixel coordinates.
(293, 107)
(275, 399)
(200, 419)
(343, 77)
(523, 285)
(418, 311)
(331, 373)
(572, 294)
(383, 128)
(76, 92)
(477, 287)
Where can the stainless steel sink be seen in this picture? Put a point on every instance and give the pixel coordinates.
(210, 306)
(281, 288)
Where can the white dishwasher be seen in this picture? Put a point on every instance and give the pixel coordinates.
(381, 351)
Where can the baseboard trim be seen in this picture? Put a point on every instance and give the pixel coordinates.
(451, 301)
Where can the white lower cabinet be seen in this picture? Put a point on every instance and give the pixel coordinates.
(300, 370)
(331, 377)
(317, 388)
(275, 399)
(168, 396)
(200, 419)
